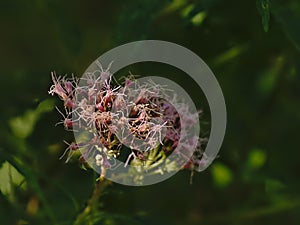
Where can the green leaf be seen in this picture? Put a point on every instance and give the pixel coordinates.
(175, 5)
(269, 78)
(289, 18)
(22, 126)
(45, 106)
(222, 175)
(187, 10)
(230, 55)
(257, 158)
(198, 18)
(10, 177)
(263, 7)
(273, 186)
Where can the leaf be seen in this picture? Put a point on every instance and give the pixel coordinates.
(45, 106)
(289, 18)
(198, 18)
(9, 178)
(273, 186)
(257, 158)
(187, 10)
(22, 126)
(175, 5)
(230, 55)
(269, 78)
(222, 175)
(263, 7)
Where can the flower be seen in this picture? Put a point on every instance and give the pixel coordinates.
(135, 120)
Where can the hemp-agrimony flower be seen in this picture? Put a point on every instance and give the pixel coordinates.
(139, 124)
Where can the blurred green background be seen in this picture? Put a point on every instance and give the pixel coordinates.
(251, 46)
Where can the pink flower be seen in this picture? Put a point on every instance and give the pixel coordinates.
(138, 118)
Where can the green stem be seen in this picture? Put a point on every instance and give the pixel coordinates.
(92, 204)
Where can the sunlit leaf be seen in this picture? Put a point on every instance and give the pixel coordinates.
(22, 126)
(198, 18)
(256, 159)
(175, 5)
(9, 178)
(187, 10)
(45, 106)
(230, 54)
(222, 175)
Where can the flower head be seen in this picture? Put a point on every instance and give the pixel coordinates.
(134, 123)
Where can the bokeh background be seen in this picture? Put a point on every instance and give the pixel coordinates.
(251, 46)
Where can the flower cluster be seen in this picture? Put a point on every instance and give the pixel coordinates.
(134, 123)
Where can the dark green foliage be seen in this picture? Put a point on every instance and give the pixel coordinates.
(263, 7)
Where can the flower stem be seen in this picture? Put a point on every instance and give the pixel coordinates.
(92, 205)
